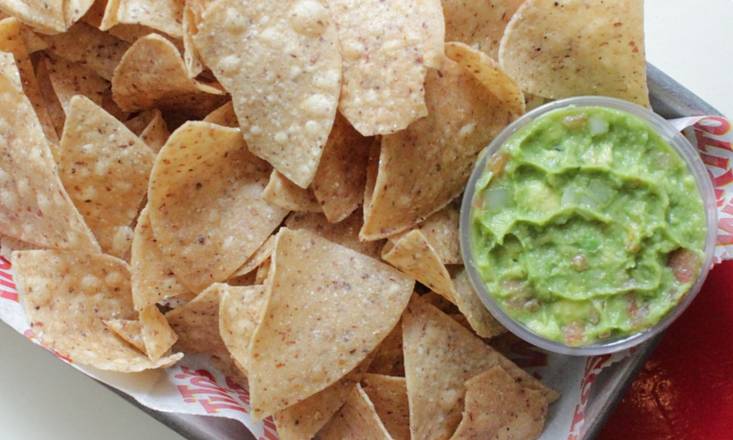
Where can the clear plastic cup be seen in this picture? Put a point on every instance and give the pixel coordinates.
(686, 151)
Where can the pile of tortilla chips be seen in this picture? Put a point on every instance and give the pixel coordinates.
(276, 183)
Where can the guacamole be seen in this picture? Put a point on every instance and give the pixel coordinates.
(587, 225)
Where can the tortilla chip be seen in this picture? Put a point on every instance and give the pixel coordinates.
(69, 79)
(11, 40)
(283, 193)
(129, 330)
(281, 64)
(74, 10)
(33, 43)
(488, 73)
(440, 355)
(68, 296)
(389, 396)
(497, 407)
(223, 115)
(88, 46)
(51, 103)
(156, 132)
(388, 359)
(413, 255)
(385, 58)
(473, 309)
(531, 102)
(263, 271)
(339, 182)
(478, 23)
(197, 323)
(162, 15)
(210, 219)
(304, 419)
(192, 12)
(356, 420)
(372, 169)
(259, 257)
(34, 206)
(321, 299)
(111, 107)
(44, 15)
(558, 49)
(239, 314)
(140, 121)
(152, 280)
(105, 168)
(10, 244)
(157, 334)
(345, 233)
(441, 231)
(152, 74)
(424, 167)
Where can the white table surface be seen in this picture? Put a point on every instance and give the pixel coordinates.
(40, 398)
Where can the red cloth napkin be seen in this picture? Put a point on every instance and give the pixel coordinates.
(685, 390)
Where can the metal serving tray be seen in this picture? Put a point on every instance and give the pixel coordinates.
(669, 99)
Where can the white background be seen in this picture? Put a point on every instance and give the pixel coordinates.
(40, 398)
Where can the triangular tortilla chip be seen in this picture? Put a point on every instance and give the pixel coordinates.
(339, 182)
(304, 419)
(388, 358)
(105, 168)
(89, 46)
(158, 336)
(51, 102)
(223, 115)
(441, 231)
(488, 73)
(10, 244)
(34, 206)
(372, 169)
(478, 23)
(263, 271)
(74, 10)
(389, 396)
(320, 319)
(356, 420)
(69, 79)
(129, 330)
(259, 257)
(11, 40)
(209, 219)
(239, 314)
(152, 280)
(152, 74)
(473, 309)
(385, 64)
(345, 233)
(423, 168)
(162, 15)
(68, 296)
(44, 15)
(281, 64)
(197, 323)
(191, 19)
(440, 355)
(283, 193)
(497, 407)
(558, 49)
(413, 255)
(156, 132)
(137, 123)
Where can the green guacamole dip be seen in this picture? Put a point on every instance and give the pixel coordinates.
(587, 225)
